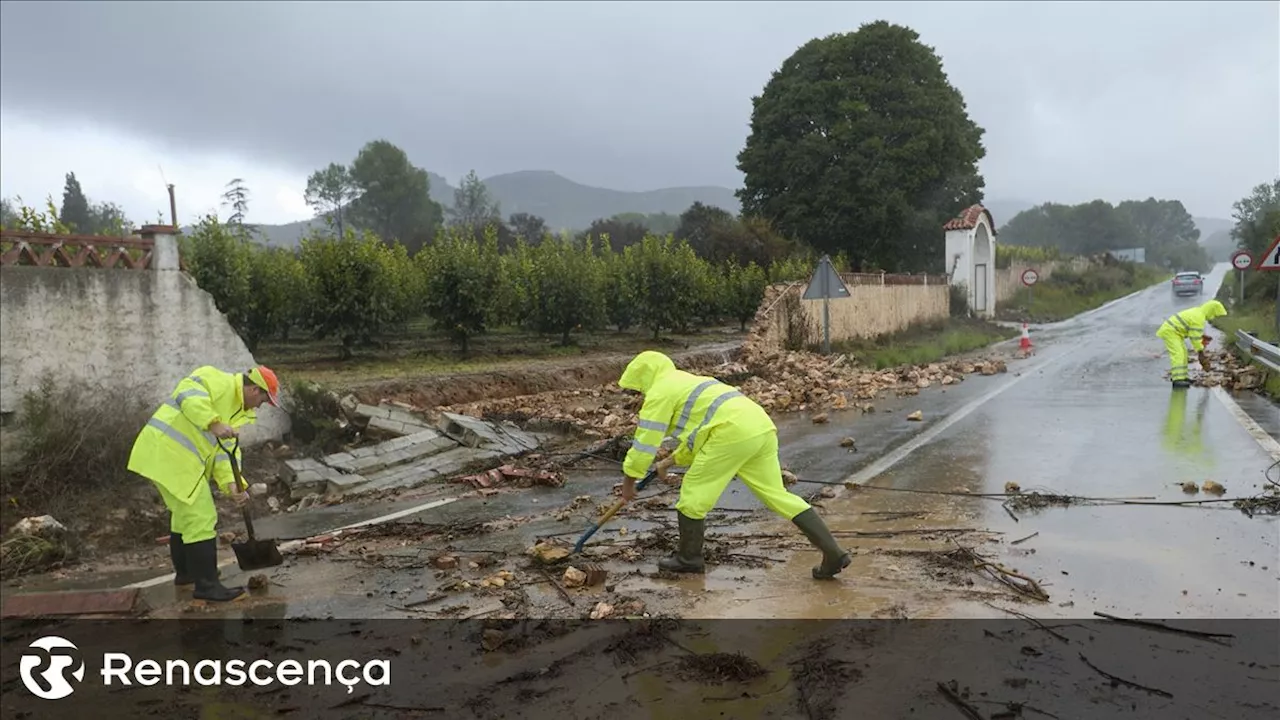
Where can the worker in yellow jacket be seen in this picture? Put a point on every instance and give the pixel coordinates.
(1188, 325)
(722, 434)
(178, 451)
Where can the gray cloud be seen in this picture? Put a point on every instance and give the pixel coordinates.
(1079, 100)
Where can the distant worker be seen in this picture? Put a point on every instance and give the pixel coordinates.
(1188, 325)
(178, 451)
(722, 434)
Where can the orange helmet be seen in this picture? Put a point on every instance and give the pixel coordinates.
(265, 378)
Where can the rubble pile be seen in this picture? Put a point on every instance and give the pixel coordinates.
(1228, 370)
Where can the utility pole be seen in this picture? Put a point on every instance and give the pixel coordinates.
(173, 208)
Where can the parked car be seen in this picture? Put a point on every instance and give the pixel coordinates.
(1188, 283)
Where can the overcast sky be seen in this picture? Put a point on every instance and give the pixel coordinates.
(1079, 100)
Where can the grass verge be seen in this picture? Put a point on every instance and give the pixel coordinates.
(1068, 293)
(925, 343)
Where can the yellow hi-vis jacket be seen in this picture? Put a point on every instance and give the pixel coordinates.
(175, 449)
(684, 406)
(1190, 323)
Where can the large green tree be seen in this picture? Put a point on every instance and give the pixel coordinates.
(394, 196)
(329, 191)
(473, 205)
(75, 212)
(860, 143)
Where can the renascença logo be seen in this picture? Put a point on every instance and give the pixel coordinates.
(45, 664)
(48, 662)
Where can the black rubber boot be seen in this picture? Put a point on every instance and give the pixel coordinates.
(178, 554)
(202, 561)
(688, 559)
(1181, 384)
(834, 558)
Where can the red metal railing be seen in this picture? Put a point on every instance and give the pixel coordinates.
(19, 247)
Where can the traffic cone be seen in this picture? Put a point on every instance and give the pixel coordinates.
(1024, 345)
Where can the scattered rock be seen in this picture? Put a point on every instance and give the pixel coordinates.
(43, 526)
(820, 418)
(916, 416)
(227, 538)
(602, 610)
(274, 504)
(573, 577)
(1012, 488)
(548, 553)
(1213, 488)
(1189, 488)
(258, 582)
(445, 562)
(789, 478)
(847, 442)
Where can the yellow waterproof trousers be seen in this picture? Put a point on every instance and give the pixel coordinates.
(194, 521)
(1177, 348)
(752, 458)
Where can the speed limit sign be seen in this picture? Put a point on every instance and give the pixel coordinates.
(1029, 277)
(1241, 260)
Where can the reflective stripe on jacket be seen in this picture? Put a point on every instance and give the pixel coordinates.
(1190, 322)
(684, 406)
(175, 449)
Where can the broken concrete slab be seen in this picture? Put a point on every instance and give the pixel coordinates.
(476, 433)
(390, 453)
(436, 466)
(389, 420)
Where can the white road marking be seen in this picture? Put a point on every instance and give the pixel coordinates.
(1251, 426)
(895, 457)
(284, 547)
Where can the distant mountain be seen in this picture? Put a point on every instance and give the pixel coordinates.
(568, 205)
(1002, 211)
(561, 202)
(1212, 226)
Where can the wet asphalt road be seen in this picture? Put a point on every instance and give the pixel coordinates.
(1090, 414)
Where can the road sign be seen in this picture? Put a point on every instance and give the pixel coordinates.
(825, 283)
(1029, 277)
(1241, 260)
(1271, 258)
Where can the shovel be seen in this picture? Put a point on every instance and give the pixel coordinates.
(610, 512)
(252, 554)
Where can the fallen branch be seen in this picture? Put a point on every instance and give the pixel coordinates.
(1122, 681)
(563, 593)
(1161, 626)
(969, 710)
(1028, 587)
(1031, 620)
(1022, 540)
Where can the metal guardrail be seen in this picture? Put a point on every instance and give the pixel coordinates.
(1261, 352)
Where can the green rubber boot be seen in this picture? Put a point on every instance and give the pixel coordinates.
(834, 558)
(688, 559)
(202, 561)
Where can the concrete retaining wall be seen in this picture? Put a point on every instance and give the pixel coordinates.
(1009, 280)
(871, 310)
(141, 329)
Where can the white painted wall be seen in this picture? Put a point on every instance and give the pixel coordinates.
(966, 249)
(111, 327)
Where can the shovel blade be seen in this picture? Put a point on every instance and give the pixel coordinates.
(257, 554)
